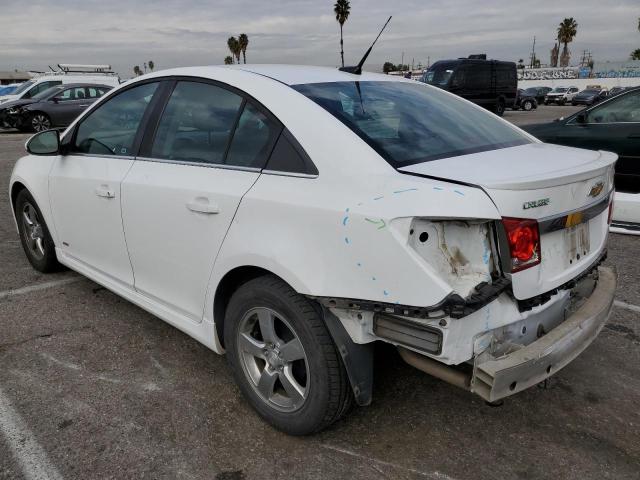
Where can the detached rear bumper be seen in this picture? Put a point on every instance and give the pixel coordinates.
(496, 378)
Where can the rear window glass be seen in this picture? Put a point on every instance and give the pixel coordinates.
(408, 122)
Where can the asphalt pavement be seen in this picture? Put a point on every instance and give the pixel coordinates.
(92, 387)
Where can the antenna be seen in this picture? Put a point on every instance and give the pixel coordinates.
(357, 70)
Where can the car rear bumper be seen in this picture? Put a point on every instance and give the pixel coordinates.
(495, 378)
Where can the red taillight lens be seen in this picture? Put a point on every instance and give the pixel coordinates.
(523, 237)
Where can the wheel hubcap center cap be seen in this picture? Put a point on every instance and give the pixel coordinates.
(273, 358)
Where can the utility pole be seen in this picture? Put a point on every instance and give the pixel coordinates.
(533, 54)
(428, 62)
(402, 62)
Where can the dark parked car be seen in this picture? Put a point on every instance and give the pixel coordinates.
(617, 90)
(525, 101)
(612, 125)
(538, 92)
(590, 96)
(55, 107)
(489, 83)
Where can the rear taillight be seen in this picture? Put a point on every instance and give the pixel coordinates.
(523, 237)
(610, 216)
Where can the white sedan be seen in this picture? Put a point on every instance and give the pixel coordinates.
(294, 216)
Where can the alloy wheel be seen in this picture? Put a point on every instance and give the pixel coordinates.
(273, 359)
(33, 231)
(40, 122)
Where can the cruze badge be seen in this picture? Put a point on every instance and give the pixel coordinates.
(536, 203)
(596, 189)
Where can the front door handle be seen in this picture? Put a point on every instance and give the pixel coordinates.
(104, 191)
(203, 205)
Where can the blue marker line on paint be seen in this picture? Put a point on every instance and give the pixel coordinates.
(378, 198)
(386, 294)
(438, 188)
(346, 240)
(359, 264)
(459, 192)
(485, 257)
(345, 220)
(406, 190)
(373, 278)
(347, 210)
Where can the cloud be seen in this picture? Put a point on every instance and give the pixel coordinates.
(194, 32)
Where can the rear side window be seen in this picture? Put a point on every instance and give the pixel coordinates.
(196, 123)
(478, 75)
(111, 129)
(253, 139)
(409, 122)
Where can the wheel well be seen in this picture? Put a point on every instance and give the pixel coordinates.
(16, 188)
(233, 280)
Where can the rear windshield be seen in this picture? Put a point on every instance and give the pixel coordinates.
(409, 122)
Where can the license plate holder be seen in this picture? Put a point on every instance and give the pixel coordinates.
(577, 241)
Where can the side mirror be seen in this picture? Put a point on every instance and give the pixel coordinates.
(55, 99)
(44, 143)
(581, 117)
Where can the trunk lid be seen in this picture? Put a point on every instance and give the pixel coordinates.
(546, 183)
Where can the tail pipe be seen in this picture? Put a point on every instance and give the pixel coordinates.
(436, 369)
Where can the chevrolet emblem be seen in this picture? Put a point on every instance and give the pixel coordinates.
(596, 189)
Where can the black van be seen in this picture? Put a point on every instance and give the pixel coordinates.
(490, 83)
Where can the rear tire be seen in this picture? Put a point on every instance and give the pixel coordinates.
(34, 235)
(283, 357)
(499, 107)
(527, 105)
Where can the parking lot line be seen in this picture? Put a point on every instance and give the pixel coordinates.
(435, 475)
(33, 460)
(39, 286)
(627, 306)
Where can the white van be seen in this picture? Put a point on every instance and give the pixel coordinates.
(68, 73)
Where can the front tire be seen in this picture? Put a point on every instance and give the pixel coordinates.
(527, 105)
(499, 108)
(40, 122)
(34, 235)
(283, 357)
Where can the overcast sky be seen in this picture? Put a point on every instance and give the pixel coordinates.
(124, 33)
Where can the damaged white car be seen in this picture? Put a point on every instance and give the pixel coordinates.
(294, 216)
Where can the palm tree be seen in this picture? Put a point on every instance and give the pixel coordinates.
(635, 55)
(243, 40)
(136, 71)
(342, 8)
(228, 60)
(567, 30)
(234, 46)
(151, 65)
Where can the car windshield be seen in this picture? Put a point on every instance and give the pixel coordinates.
(23, 87)
(408, 122)
(47, 93)
(560, 90)
(591, 92)
(438, 75)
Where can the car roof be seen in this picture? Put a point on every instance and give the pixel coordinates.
(72, 85)
(287, 74)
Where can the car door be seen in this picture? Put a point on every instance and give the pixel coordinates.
(62, 108)
(614, 126)
(85, 183)
(204, 154)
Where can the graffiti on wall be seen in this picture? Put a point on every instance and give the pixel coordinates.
(577, 72)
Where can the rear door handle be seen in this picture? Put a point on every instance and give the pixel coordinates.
(84, 106)
(103, 191)
(202, 205)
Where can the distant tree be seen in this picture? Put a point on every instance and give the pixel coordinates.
(567, 30)
(234, 47)
(342, 9)
(136, 71)
(388, 67)
(521, 63)
(635, 55)
(151, 65)
(243, 40)
(228, 60)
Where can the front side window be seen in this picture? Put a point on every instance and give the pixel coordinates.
(408, 123)
(65, 95)
(111, 128)
(624, 109)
